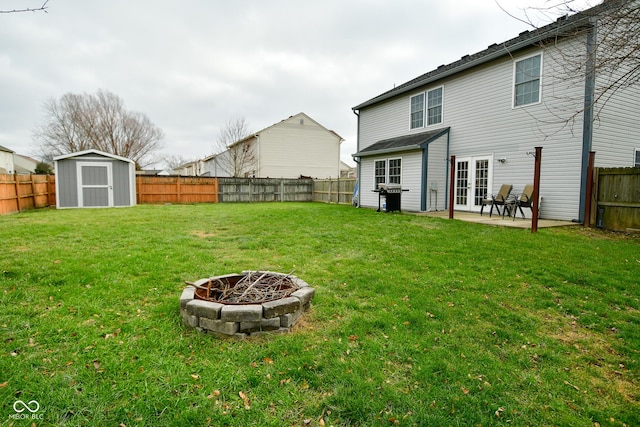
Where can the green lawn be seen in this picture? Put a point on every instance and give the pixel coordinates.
(416, 320)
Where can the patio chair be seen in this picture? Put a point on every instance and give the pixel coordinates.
(497, 200)
(523, 200)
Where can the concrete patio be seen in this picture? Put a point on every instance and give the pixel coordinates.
(497, 220)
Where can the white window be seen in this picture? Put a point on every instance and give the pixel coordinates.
(434, 106)
(380, 172)
(395, 171)
(417, 111)
(527, 73)
(388, 171)
(636, 159)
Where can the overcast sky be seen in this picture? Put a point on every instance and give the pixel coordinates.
(192, 65)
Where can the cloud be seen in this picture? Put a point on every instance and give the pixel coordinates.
(192, 66)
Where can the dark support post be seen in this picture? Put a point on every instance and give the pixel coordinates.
(587, 204)
(452, 185)
(536, 190)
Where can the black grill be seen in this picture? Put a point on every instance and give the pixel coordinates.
(392, 199)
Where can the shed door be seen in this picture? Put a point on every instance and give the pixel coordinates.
(95, 185)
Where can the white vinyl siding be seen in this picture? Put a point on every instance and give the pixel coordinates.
(298, 146)
(496, 129)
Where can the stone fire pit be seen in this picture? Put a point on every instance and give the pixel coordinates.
(247, 304)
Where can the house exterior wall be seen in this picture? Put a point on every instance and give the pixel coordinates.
(478, 107)
(298, 146)
(68, 180)
(6, 161)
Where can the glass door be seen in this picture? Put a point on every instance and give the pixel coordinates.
(473, 182)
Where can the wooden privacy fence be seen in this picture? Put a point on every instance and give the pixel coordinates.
(22, 192)
(334, 190)
(617, 195)
(176, 189)
(265, 190)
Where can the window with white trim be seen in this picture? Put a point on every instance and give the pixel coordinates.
(395, 171)
(434, 106)
(417, 111)
(636, 158)
(388, 171)
(380, 172)
(527, 74)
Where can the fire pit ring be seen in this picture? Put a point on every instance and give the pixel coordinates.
(251, 303)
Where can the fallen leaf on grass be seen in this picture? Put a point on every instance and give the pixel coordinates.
(465, 390)
(195, 376)
(353, 337)
(268, 360)
(245, 400)
(499, 412)
(4, 384)
(113, 335)
(215, 393)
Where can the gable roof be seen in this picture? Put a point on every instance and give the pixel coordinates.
(402, 143)
(92, 151)
(256, 134)
(6, 149)
(562, 27)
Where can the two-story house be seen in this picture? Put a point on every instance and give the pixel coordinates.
(490, 110)
(294, 147)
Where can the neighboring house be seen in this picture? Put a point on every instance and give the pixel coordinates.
(490, 110)
(154, 172)
(347, 171)
(24, 164)
(297, 146)
(194, 168)
(6, 160)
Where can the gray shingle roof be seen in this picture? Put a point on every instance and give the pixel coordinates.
(402, 143)
(562, 27)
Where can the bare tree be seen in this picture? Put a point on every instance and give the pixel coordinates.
(81, 122)
(604, 54)
(42, 8)
(173, 161)
(236, 149)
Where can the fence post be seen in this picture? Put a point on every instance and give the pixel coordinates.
(51, 179)
(179, 195)
(17, 187)
(587, 207)
(536, 190)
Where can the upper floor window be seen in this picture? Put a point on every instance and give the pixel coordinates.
(426, 107)
(434, 106)
(527, 81)
(636, 159)
(417, 111)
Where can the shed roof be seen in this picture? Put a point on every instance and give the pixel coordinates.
(92, 151)
(562, 27)
(415, 141)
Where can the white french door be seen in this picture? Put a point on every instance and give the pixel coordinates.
(472, 182)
